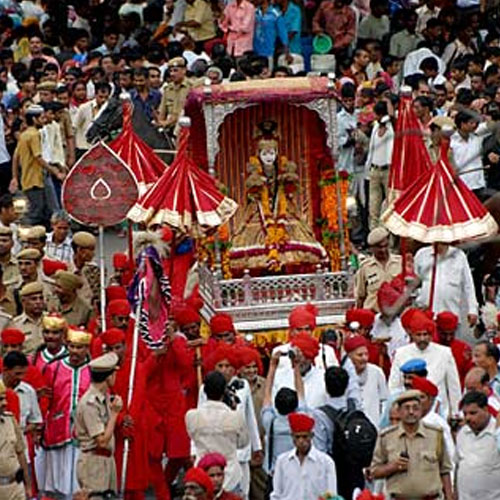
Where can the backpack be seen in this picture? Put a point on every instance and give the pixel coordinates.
(354, 437)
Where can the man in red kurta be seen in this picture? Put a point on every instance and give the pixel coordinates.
(132, 423)
(447, 323)
(166, 368)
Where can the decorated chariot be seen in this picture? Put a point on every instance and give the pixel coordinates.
(272, 144)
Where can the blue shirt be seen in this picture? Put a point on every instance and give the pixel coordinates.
(147, 106)
(268, 27)
(293, 23)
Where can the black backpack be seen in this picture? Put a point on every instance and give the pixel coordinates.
(354, 437)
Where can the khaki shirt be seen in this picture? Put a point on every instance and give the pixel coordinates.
(29, 152)
(428, 458)
(257, 390)
(11, 444)
(370, 277)
(8, 303)
(92, 415)
(173, 100)
(32, 329)
(66, 126)
(11, 274)
(201, 12)
(78, 313)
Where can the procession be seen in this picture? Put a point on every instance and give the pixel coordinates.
(249, 249)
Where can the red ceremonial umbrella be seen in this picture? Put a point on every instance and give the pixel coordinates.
(142, 160)
(439, 208)
(184, 197)
(410, 158)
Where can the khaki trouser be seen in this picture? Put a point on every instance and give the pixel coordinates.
(379, 179)
(13, 491)
(96, 474)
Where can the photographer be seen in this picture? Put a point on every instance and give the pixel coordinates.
(215, 427)
(237, 396)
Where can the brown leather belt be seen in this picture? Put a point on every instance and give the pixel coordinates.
(5, 480)
(100, 452)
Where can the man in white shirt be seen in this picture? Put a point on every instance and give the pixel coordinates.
(441, 366)
(478, 451)
(304, 472)
(214, 427)
(454, 288)
(467, 147)
(225, 360)
(372, 381)
(347, 125)
(87, 113)
(378, 161)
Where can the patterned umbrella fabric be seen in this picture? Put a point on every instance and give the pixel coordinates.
(185, 197)
(439, 208)
(142, 160)
(410, 158)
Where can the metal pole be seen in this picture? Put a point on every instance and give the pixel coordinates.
(131, 381)
(102, 267)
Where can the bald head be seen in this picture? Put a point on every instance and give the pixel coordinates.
(477, 379)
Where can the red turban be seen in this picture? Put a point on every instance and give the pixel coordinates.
(212, 460)
(447, 321)
(424, 385)
(185, 315)
(223, 352)
(303, 316)
(349, 315)
(407, 316)
(118, 307)
(120, 260)
(112, 337)
(308, 345)
(220, 323)
(115, 292)
(420, 322)
(368, 495)
(200, 477)
(248, 355)
(365, 317)
(12, 336)
(300, 422)
(50, 266)
(387, 295)
(354, 342)
(166, 234)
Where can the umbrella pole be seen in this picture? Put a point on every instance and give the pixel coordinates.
(433, 279)
(130, 235)
(402, 246)
(102, 267)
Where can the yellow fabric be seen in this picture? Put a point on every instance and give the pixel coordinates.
(29, 152)
(201, 12)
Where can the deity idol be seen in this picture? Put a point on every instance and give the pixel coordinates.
(272, 237)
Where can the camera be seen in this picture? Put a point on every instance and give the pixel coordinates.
(230, 397)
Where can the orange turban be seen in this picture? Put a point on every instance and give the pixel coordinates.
(112, 337)
(220, 323)
(303, 316)
(300, 422)
(12, 336)
(118, 307)
(200, 477)
(447, 321)
(308, 345)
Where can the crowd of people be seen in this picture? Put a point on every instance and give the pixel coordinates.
(397, 402)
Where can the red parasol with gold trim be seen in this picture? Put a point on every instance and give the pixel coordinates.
(185, 196)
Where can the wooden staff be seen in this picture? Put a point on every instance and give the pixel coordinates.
(199, 374)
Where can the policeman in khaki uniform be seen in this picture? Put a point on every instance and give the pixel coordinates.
(11, 275)
(84, 244)
(96, 416)
(15, 482)
(174, 94)
(30, 321)
(412, 455)
(382, 266)
(69, 304)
